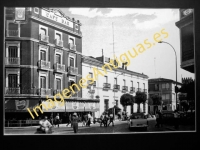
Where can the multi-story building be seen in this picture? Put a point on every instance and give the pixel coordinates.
(166, 89)
(43, 51)
(109, 87)
(186, 26)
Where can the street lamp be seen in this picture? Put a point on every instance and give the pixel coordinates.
(176, 66)
(114, 96)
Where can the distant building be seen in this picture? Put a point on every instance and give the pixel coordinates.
(43, 50)
(166, 89)
(111, 86)
(186, 26)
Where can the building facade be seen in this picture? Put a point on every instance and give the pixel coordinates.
(43, 51)
(166, 89)
(110, 86)
(186, 26)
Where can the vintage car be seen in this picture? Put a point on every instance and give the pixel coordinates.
(138, 122)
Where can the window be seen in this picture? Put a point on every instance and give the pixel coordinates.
(58, 58)
(106, 104)
(42, 55)
(138, 84)
(91, 75)
(163, 86)
(144, 85)
(124, 82)
(167, 85)
(12, 80)
(71, 61)
(167, 96)
(12, 51)
(36, 10)
(43, 31)
(58, 84)
(42, 82)
(58, 36)
(71, 41)
(117, 103)
(131, 83)
(115, 81)
(13, 29)
(106, 79)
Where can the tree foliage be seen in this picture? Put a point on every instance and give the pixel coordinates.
(140, 97)
(156, 99)
(126, 99)
(150, 101)
(185, 105)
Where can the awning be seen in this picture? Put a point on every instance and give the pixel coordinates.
(70, 106)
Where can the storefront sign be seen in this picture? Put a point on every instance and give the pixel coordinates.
(21, 104)
(75, 105)
(57, 17)
(19, 14)
(92, 105)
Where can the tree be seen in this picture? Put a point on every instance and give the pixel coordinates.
(140, 97)
(156, 99)
(126, 99)
(150, 101)
(185, 105)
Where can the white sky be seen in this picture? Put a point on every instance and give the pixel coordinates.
(131, 27)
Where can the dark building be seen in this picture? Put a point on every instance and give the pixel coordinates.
(186, 26)
(43, 50)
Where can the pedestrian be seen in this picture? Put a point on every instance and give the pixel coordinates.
(119, 116)
(157, 120)
(106, 120)
(68, 120)
(57, 119)
(75, 122)
(51, 119)
(45, 126)
(102, 119)
(89, 119)
(160, 119)
(111, 119)
(176, 119)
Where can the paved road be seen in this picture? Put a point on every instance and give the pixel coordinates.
(120, 127)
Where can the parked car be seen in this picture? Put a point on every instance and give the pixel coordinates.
(138, 121)
(167, 117)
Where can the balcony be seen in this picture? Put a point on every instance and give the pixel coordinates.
(43, 91)
(116, 87)
(124, 89)
(12, 33)
(44, 38)
(139, 90)
(12, 61)
(13, 90)
(58, 43)
(72, 70)
(43, 64)
(72, 47)
(106, 86)
(132, 90)
(91, 91)
(59, 67)
(57, 91)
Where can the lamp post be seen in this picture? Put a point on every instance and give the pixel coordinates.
(114, 96)
(176, 66)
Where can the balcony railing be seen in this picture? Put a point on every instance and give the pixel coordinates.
(58, 43)
(12, 33)
(72, 46)
(12, 61)
(9, 90)
(132, 90)
(139, 90)
(59, 67)
(43, 64)
(124, 89)
(43, 91)
(44, 38)
(106, 86)
(91, 91)
(57, 91)
(72, 70)
(116, 87)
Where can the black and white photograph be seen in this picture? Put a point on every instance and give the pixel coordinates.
(98, 70)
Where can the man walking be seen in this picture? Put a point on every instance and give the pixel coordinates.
(111, 119)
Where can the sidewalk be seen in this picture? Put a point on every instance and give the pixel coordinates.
(181, 128)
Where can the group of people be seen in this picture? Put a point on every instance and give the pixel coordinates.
(105, 118)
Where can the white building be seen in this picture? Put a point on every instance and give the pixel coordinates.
(111, 86)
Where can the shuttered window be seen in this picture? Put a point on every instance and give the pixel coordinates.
(12, 80)
(12, 51)
(42, 82)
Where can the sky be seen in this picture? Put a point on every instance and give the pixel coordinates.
(128, 27)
